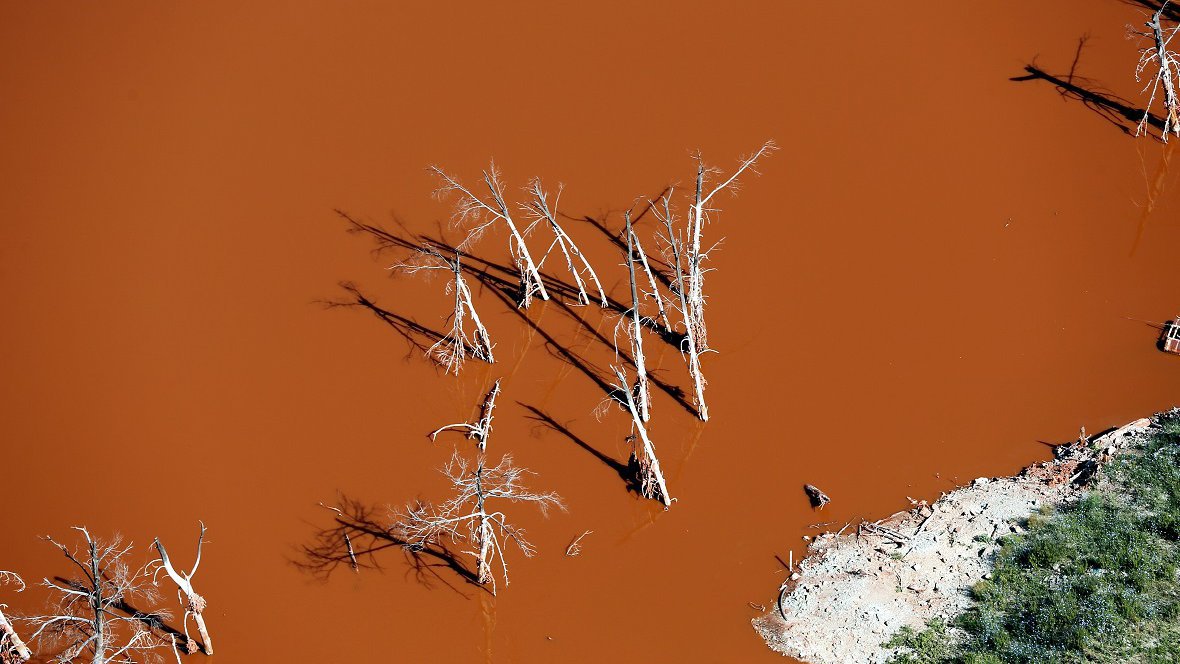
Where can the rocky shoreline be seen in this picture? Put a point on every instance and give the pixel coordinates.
(855, 589)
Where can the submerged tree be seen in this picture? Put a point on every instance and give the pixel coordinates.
(475, 215)
(688, 255)
(1165, 67)
(642, 389)
(194, 604)
(453, 349)
(643, 450)
(469, 518)
(89, 613)
(538, 208)
(482, 428)
(12, 649)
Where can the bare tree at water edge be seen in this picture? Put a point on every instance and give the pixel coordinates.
(1164, 67)
(475, 215)
(453, 349)
(12, 649)
(194, 604)
(88, 613)
(575, 260)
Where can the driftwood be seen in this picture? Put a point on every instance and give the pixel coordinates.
(888, 533)
(818, 498)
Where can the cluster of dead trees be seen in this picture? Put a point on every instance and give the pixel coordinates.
(666, 297)
(106, 609)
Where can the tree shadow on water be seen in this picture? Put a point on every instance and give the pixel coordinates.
(359, 540)
(628, 472)
(1119, 112)
(502, 281)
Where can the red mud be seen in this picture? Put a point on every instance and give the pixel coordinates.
(936, 272)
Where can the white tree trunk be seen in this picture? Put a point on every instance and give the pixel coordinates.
(11, 643)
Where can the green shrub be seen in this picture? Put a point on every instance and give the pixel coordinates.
(1095, 581)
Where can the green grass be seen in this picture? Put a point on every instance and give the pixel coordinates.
(1095, 581)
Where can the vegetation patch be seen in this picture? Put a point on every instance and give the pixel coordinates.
(1091, 581)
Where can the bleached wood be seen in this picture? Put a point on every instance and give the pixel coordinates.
(539, 208)
(476, 215)
(453, 349)
(652, 483)
(1166, 64)
(12, 648)
(195, 604)
(482, 428)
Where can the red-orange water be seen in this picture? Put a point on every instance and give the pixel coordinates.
(933, 275)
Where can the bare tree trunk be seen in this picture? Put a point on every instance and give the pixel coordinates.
(563, 241)
(197, 608)
(1165, 63)
(642, 389)
(471, 207)
(689, 348)
(524, 260)
(651, 281)
(196, 603)
(485, 536)
(11, 645)
(1166, 74)
(96, 603)
(463, 299)
(652, 481)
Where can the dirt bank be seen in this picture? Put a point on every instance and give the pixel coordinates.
(856, 588)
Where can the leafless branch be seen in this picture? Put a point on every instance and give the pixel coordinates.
(641, 389)
(538, 208)
(12, 649)
(467, 517)
(575, 547)
(1166, 69)
(85, 615)
(481, 429)
(651, 478)
(690, 350)
(475, 215)
(452, 350)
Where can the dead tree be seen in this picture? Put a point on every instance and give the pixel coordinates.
(468, 517)
(482, 428)
(194, 604)
(642, 389)
(689, 348)
(539, 209)
(85, 614)
(453, 349)
(641, 256)
(12, 649)
(643, 454)
(1166, 66)
(475, 215)
(688, 260)
(699, 214)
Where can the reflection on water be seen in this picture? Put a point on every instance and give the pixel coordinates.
(1155, 185)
